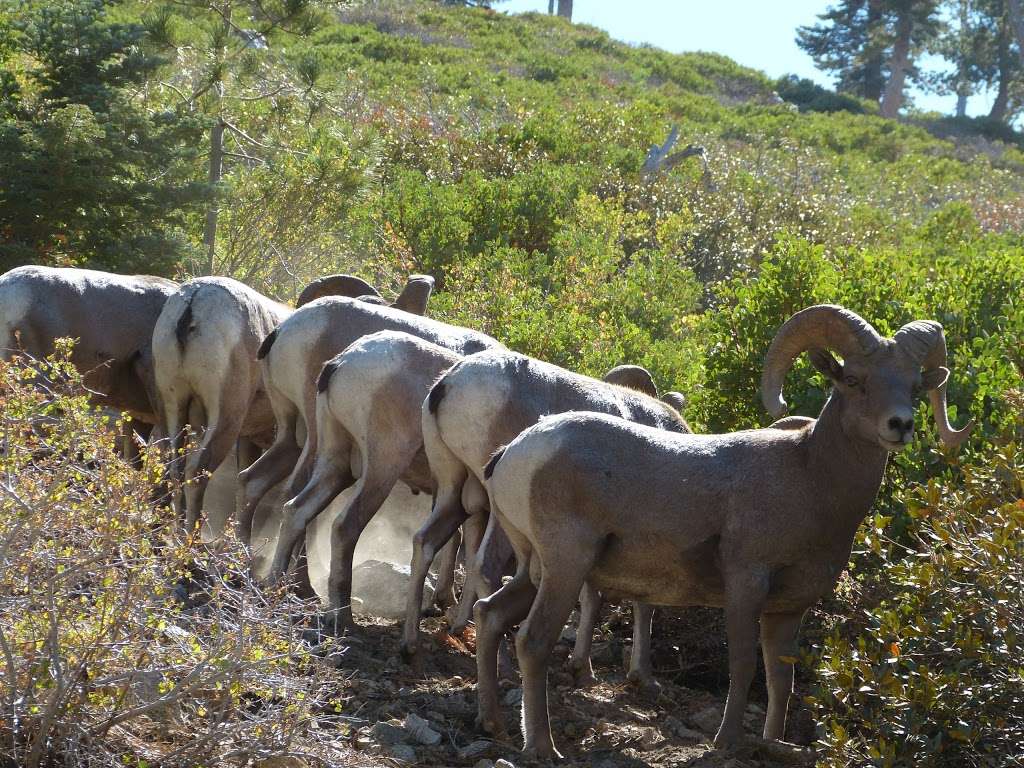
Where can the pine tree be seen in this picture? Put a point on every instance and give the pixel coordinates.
(90, 175)
(871, 46)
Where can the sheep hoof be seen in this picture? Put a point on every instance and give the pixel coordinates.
(492, 727)
(531, 754)
(408, 652)
(648, 688)
(583, 677)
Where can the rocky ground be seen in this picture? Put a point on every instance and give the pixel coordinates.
(425, 716)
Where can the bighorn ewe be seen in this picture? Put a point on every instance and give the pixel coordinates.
(204, 344)
(292, 357)
(111, 316)
(368, 432)
(481, 404)
(759, 522)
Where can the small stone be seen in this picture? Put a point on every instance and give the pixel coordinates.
(676, 728)
(402, 752)
(503, 763)
(475, 749)
(379, 589)
(513, 697)
(569, 634)
(650, 738)
(708, 719)
(421, 731)
(388, 733)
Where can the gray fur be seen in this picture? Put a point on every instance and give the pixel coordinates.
(759, 522)
(205, 347)
(479, 405)
(304, 342)
(111, 316)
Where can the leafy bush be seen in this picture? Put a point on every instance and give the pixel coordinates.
(935, 675)
(123, 644)
(811, 97)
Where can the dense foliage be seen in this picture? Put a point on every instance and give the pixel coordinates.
(504, 155)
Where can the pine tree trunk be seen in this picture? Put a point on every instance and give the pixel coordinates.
(873, 79)
(565, 9)
(216, 170)
(1002, 100)
(963, 83)
(214, 176)
(899, 64)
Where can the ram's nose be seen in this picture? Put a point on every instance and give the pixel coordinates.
(897, 429)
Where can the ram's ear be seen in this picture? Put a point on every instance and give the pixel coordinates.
(934, 378)
(823, 360)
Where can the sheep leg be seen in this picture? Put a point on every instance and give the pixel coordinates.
(196, 420)
(445, 518)
(745, 594)
(641, 671)
(263, 474)
(444, 592)
(474, 534)
(220, 437)
(331, 475)
(559, 588)
(590, 611)
(496, 615)
(373, 490)
(484, 572)
(177, 415)
(248, 452)
(778, 640)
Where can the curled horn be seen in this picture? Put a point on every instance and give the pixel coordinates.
(415, 295)
(633, 377)
(823, 326)
(335, 285)
(925, 344)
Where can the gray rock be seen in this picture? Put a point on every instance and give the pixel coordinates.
(676, 728)
(503, 763)
(402, 752)
(708, 719)
(513, 697)
(650, 738)
(475, 749)
(420, 730)
(388, 733)
(379, 588)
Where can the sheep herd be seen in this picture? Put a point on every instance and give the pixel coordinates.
(583, 488)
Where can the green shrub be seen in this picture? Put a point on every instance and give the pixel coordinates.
(935, 676)
(107, 658)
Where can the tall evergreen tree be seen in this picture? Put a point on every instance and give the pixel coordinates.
(871, 46)
(90, 175)
(848, 43)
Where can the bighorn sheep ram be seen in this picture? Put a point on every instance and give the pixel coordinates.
(481, 404)
(111, 316)
(292, 358)
(207, 375)
(759, 522)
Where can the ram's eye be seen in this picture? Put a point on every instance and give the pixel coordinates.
(851, 381)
